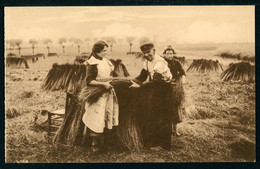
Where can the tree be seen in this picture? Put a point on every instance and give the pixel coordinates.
(77, 42)
(130, 40)
(110, 40)
(143, 40)
(33, 42)
(18, 43)
(47, 42)
(62, 42)
(11, 43)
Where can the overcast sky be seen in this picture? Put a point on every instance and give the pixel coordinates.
(192, 24)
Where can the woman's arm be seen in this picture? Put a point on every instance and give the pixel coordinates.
(181, 71)
(107, 85)
(91, 72)
(179, 68)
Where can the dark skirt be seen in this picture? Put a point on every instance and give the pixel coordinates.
(177, 100)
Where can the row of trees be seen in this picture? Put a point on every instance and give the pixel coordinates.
(13, 43)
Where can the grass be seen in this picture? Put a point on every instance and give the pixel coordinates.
(216, 116)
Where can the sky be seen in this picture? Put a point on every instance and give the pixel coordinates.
(180, 24)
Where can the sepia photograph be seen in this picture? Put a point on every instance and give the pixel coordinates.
(129, 84)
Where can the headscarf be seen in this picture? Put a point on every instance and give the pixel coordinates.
(169, 47)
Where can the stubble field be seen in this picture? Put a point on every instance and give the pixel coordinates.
(218, 118)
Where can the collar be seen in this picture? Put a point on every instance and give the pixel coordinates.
(97, 57)
(93, 60)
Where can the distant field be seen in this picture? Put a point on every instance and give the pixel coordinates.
(190, 51)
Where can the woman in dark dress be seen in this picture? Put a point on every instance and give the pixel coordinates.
(178, 79)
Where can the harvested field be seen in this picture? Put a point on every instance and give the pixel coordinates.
(218, 117)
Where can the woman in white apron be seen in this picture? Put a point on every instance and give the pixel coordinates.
(103, 113)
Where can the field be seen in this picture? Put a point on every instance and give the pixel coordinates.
(218, 119)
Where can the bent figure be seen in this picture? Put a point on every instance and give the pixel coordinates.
(156, 122)
(153, 66)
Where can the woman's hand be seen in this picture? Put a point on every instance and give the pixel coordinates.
(107, 85)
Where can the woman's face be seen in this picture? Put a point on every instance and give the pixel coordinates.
(169, 54)
(103, 53)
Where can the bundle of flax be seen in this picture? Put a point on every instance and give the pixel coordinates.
(16, 61)
(202, 65)
(136, 105)
(64, 77)
(91, 94)
(128, 133)
(71, 130)
(243, 71)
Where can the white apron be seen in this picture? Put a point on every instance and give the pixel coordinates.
(103, 113)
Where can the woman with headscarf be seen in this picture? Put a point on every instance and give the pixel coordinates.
(175, 66)
(178, 78)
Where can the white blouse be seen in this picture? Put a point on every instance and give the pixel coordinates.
(104, 66)
(159, 65)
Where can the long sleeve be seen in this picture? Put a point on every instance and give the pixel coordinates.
(179, 68)
(161, 67)
(176, 68)
(142, 77)
(91, 73)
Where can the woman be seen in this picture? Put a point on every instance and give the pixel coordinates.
(104, 112)
(175, 66)
(178, 78)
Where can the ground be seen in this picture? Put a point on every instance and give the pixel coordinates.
(218, 118)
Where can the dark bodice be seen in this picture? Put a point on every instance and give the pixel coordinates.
(175, 68)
